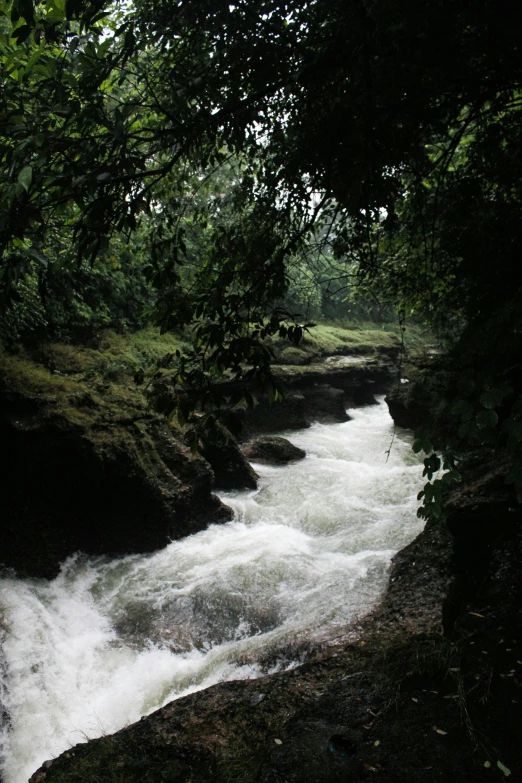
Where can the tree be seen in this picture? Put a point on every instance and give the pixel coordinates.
(392, 126)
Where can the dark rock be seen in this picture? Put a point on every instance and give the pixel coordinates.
(337, 383)
(359, 377)
(84, 479)
(406, 408)
(419, 578)
(342, 746)
(231, 469)
(272, 450)
(481, 514)
(419, 397)
(317, 392)
(325, 404)
(289, 414)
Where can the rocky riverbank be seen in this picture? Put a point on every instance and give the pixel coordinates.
(322, 391)
(91, 469)
(425, 688)
(395, 699)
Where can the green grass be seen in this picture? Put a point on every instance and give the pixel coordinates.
(58, 370)
(83, 385)
(324, 339)
(81, 379)
(358, 339)
(115, 355)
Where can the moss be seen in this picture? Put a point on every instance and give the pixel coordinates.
(362, 338)
(81, 396)
(87, 767)
(288, 371)
(115, 356)
(61, 417)
(324, 339)
(113, 760)
(293, 355)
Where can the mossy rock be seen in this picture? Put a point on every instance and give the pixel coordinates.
(293, 356)
(230, 467)
(90, 469)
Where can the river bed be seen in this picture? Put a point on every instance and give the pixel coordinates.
(306, 554)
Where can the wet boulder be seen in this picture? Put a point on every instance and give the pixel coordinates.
(325, 404)
(230, 467)
(407, 407)
(272, 450)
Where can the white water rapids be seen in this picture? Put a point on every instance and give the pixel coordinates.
(111, 640)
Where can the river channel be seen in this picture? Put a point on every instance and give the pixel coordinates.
(307, 553)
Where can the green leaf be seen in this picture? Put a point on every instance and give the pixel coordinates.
(21, 34)
(513, 426)
(467, 430)
(436, 510)
(491, 398)
(427, 446)
(505, 770)
(25, 177)
(417, 445)
(55, 10)
(34, 253)
(486, 419)
(459, 407)
(467, 411)
(517, 430)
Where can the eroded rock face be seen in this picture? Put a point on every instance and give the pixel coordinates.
(407, 407)
(288, 414)
(231, 469)
(321, 392)
(86, 479)
(272, 450)
(360, 378)
(90, 469)
(326, 404)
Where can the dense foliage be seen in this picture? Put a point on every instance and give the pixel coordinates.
(261, 150)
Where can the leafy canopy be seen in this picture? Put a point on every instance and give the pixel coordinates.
(387, 131)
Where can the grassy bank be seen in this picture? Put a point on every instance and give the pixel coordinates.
(358, 339)
(55, 367)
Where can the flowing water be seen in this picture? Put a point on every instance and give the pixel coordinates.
(111, 640)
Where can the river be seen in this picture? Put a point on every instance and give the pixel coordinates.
(307, 553)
